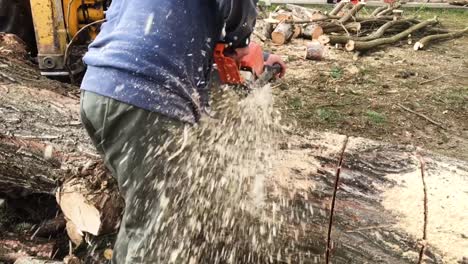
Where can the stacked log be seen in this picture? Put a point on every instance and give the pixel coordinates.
(344, 25)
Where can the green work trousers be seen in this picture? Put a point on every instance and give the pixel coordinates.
(137, 146)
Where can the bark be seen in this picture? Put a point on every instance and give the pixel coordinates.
(312, 31)
(351, 12)
(349, 27)
(422, 43)
(338, 8)
(44, 149)
(282, 33)
(268, 29)
(367, 45)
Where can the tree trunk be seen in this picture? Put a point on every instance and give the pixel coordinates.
(424, 41)
(43, 148)
(379, 209)
(282, 33)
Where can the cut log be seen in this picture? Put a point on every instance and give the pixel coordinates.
(282, 33)
(338, 7)
(324, 39)
(422, 43)
(297, 30)
(314, 50)
(91, 210)
(43, 147)
(366, 45)
(351, 12)
(312, 31)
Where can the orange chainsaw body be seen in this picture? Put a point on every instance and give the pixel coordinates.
(229, 69)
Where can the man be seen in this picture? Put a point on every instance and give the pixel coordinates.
(147, 78)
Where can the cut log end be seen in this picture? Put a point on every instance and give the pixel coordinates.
(324, 39)
(349, 45)
(418, 45)
(282, 33)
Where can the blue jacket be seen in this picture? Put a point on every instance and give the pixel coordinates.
(157, 54)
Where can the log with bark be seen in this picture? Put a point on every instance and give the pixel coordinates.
(352, 45)
(312, 31)
(282, 33)
(422, 43)
(379, 198)
(44, 150)
(302, 12)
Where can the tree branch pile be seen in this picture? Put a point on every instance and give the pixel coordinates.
(344, 25)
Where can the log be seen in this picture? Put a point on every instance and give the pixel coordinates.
(324, 39)
(422, 43)
(351, 12)
(352, 45)
(338, 7)
(282, 33)
(297, 31)
(379, 203)
(312, 31)
(44, 149)
(379, 207)
(314, 50)
(349, 27)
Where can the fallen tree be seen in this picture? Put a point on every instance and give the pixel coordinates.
(372, 222)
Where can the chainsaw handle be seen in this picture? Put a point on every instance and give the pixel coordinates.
(273, 69)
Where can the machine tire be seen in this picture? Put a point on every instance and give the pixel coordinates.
(16, 18)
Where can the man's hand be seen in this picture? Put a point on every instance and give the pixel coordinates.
(273, 59)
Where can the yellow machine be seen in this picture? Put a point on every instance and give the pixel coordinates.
(58, 25)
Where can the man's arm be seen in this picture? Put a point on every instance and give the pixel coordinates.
(239, 16)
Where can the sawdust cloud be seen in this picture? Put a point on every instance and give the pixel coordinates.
(212, 208)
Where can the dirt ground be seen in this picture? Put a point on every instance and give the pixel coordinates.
(361, 96)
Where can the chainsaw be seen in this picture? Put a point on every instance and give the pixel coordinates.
(249, 72)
